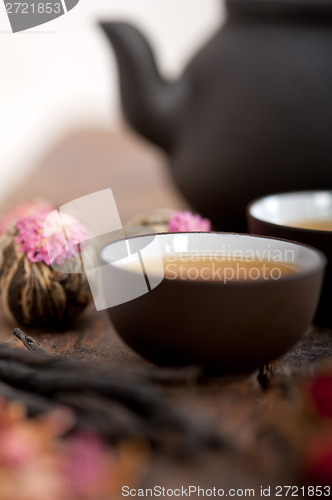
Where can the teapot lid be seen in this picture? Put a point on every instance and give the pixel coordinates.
(300, 8)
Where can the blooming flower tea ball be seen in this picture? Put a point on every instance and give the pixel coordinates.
(187, 221)
(31, 291)
(162, 220)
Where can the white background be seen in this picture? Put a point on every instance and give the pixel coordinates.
(62, 75)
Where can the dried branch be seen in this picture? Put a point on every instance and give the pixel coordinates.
(30, 343)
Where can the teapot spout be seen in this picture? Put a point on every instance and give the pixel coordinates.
(150, 103)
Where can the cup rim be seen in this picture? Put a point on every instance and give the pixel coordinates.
(283, 194)
(301, 273)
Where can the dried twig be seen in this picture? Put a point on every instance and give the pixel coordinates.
(30, 343)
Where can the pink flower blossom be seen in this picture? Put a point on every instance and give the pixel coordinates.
(28, 207)
(187, 221)
(87, 467)
(17, 447)
(31, 239)
(35, 463)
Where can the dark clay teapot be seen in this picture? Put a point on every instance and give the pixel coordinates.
(252, 113)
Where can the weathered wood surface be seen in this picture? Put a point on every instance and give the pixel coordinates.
(256, 423)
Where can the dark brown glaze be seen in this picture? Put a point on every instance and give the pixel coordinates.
(318, 239)
(229, 328)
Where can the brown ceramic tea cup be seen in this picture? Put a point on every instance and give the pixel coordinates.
(231, 320)
(305, 217)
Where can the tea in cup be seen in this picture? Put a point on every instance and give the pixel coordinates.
(229, 302)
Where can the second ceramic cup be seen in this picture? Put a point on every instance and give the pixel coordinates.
(299, 216)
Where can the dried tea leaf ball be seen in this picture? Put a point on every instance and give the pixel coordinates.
(31, 291)
(165, 219)
(156, 219)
